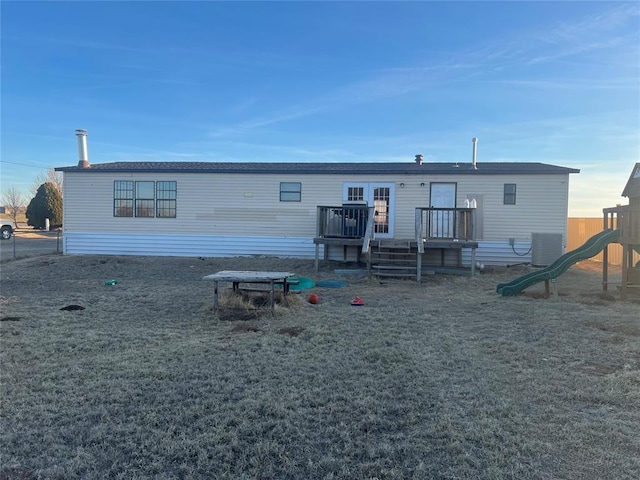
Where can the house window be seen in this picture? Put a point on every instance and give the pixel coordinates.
(166, 199)
(122, 198)
(144, 204)
(144, 199)
(355, 194)
(290, 191)
(509, 193)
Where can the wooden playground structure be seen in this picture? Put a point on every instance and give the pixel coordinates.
(625, 218)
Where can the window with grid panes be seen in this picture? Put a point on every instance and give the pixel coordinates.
(145, 199)
(355, 194)
(509, 193)
(123, 198)
(166, 193)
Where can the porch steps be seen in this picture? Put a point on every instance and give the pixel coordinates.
(393, 258)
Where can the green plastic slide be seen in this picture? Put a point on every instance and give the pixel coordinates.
(590, 248)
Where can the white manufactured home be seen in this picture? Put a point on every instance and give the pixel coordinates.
(450, 213)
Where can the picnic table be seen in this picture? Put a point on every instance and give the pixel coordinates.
(236, 277)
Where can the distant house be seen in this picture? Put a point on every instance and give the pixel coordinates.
(298, 209)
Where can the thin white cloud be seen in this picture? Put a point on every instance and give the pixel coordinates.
(384, 85)
(562, 41)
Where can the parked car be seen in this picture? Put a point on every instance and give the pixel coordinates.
(7, 228)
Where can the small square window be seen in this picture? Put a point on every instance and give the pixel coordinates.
(509, 193)
(290, 191)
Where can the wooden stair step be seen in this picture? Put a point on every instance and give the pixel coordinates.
(394, 260)
(394, 253)
(394, 267)
(393, 245)
(394, 274)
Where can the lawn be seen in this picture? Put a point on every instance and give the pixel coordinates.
(442, 380)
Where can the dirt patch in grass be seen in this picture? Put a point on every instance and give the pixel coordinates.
(245, 329)
(237, 314)
(632, 329)
(444, 379)
(10, 319)
(291, 331)
(599, 369)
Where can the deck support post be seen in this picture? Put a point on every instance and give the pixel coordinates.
(627, 256)
(605, 268)
(473, 262)
(605, 256)
(418, 267)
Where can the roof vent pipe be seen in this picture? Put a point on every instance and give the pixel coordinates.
(475, 148)
(419, 159)
(83, 156)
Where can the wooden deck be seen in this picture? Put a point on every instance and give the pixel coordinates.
(436, 229)
(401, 257)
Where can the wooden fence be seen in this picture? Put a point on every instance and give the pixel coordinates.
(581, 229)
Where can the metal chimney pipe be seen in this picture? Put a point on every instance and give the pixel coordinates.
(83, 155)
(475, 148)
(419, 159)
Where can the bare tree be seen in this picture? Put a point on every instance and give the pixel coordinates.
(14, 201)
(50, 177)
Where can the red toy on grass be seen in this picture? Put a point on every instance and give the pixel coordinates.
(357, 302)
(314, 298)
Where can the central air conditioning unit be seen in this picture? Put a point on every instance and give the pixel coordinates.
(546, 248)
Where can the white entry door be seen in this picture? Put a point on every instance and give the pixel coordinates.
(441, 224)
(377, 195)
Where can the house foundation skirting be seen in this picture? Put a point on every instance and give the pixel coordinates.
(190, 245)
(186, 245)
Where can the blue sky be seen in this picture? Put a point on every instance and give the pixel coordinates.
(551, 82)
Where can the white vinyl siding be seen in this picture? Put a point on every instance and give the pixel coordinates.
(243, 205)
(163, 245)
(541, 206)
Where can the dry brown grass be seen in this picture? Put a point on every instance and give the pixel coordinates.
(440, 380)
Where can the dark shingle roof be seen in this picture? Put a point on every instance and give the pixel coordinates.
(326, 168)
(632, 188)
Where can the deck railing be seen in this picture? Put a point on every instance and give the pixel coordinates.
(626, 220)
(347, 221)
(342, 222)
(445, 224)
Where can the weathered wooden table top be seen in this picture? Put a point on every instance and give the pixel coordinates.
(247, 276)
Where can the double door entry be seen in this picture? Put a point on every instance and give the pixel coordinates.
(380, 196)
